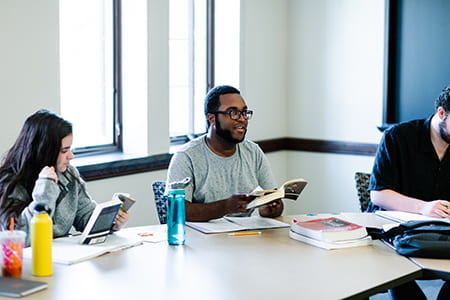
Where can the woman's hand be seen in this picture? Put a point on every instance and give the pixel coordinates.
(121, 219)
(49, 172)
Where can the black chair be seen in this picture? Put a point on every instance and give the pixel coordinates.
(160, 200)
(362, 188)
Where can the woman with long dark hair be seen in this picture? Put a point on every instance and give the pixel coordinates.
(37, 169)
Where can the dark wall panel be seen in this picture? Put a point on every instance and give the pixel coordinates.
(418, 66)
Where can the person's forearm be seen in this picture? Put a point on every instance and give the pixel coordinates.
(202, 212)
(391, 200)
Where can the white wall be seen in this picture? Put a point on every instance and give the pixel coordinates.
(29, 66)
(335, 51)
(331, 186)
(309, 69)
(335, 55)
(263, 66)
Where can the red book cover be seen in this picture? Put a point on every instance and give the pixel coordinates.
(328, 224)
(329, 229)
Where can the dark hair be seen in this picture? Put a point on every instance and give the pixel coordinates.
(443, 100)
(212, 102)
(37, 146)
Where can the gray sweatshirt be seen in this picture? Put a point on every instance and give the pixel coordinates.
(68, 200)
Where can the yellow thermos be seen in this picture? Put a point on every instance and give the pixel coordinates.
(41, 230)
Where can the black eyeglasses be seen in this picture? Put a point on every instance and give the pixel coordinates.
(236, 114)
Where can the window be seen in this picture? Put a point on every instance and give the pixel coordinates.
(204, 52)
(204, 47)
(89, 73)
(227, 42)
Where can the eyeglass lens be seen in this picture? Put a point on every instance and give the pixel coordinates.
(236, 114)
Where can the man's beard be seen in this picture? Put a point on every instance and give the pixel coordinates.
(226, 134)
(443, 131)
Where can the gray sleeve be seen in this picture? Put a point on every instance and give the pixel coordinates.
(180, 167)
(86, 206)
(265, 175)
(78, 194)
(45, 191)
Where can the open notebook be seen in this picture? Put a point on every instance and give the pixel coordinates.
(229, 224)
(397, 217)
(68, 250)
(402, 216)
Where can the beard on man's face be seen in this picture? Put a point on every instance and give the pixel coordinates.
(443, 131)
(226, 134)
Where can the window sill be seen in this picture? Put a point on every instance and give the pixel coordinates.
(100, 166)
(118, 164)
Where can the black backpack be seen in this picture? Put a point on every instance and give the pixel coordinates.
(428, 239)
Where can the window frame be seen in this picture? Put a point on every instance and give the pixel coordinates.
(210, 43)
(117, 144)
(210, 48)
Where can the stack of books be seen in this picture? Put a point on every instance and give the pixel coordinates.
(329, 233)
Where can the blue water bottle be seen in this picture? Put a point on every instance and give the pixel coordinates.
(176, 219)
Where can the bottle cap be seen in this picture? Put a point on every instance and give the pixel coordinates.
(41, 208)
(175, 185)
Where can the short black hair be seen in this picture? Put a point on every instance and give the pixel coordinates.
(443, 100)
(212, 102)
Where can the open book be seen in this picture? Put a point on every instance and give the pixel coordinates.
(102, 218)
(403, 216)
(127, 201)
(100, 222)
(69, 250)
(397, 217)
(289, 190)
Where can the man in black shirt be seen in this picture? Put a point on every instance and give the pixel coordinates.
(412, 166)
(412, 173)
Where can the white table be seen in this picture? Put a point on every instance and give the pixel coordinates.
(218, 266)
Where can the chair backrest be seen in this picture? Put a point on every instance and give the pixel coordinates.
(362, 188)
(160, 200)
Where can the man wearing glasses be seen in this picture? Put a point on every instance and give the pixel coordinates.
(224, 166)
